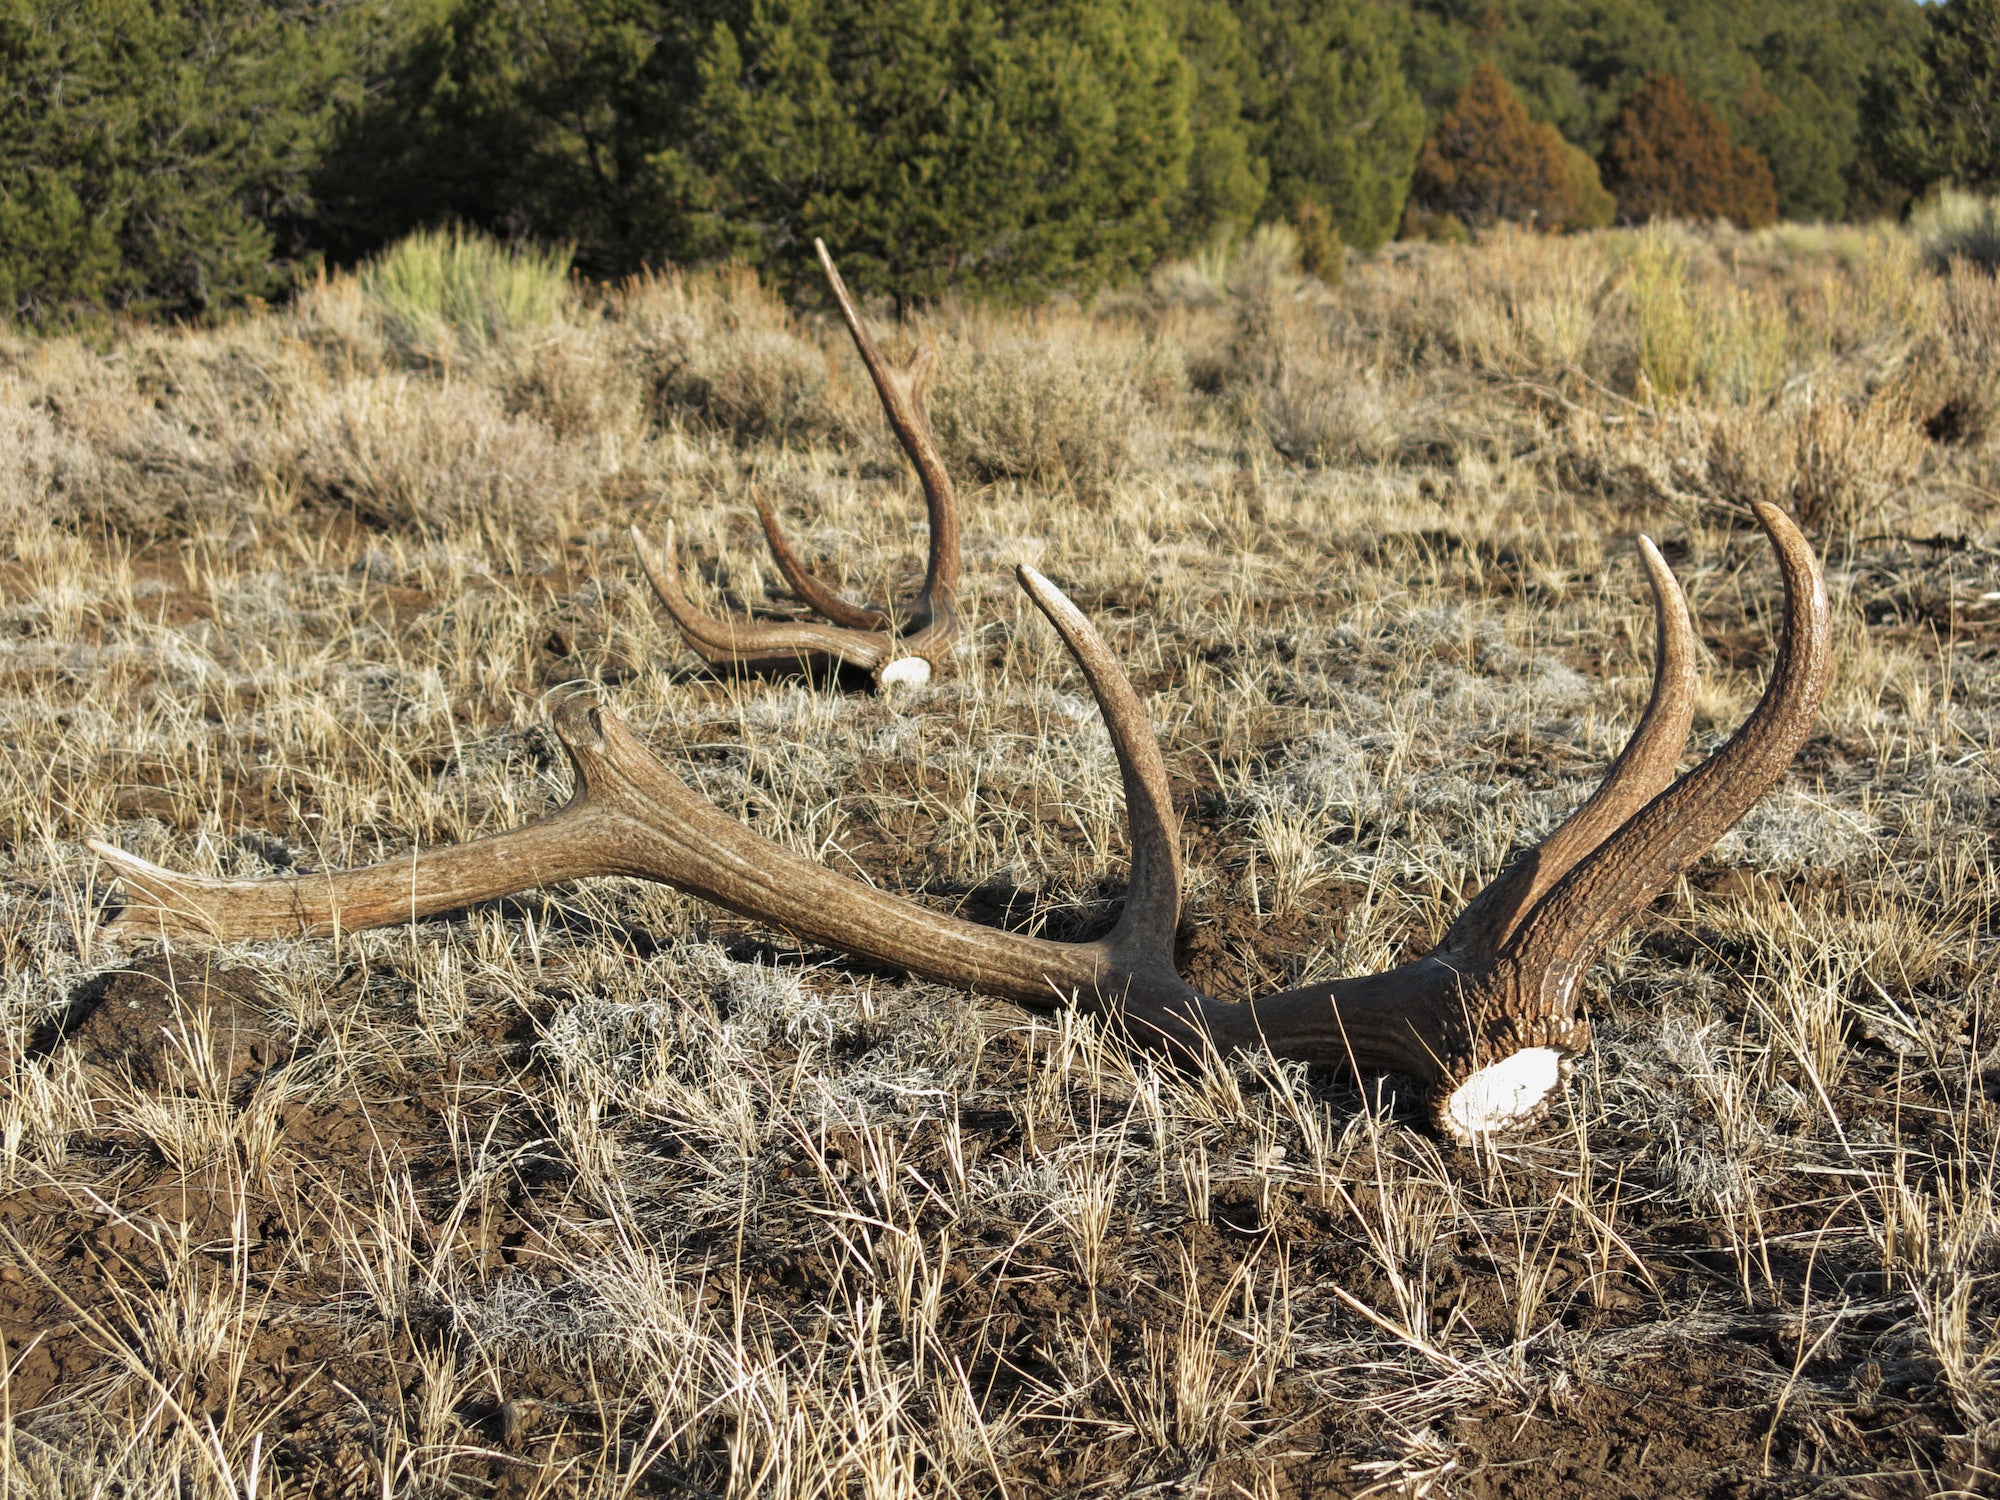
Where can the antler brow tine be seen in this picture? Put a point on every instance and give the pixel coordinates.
(1486, 1022)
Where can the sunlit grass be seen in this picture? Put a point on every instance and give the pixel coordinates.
(640, 1198)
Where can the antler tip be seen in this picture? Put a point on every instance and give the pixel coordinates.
(1777, 522)
(123, 862)
(1051, 600)
(1665, 585)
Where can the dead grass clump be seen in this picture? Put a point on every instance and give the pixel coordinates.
(170, 436)
(1257, 267)
(439, 459)
(1840, 464)
(571, 382)
(1954, 376)
(41, 460)
(1533, 304)
(722, 350)
(1835, 463)
(1324, 410)
(1055, 401)
(1284, 369)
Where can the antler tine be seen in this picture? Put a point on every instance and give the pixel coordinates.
(817, 596)
(1145, 929)
(859, 636)
(764, 645)
(1620, 877)
(1642, 770)
(902, 393)
(1487, 1031)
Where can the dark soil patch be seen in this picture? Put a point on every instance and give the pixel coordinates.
(175, 1022)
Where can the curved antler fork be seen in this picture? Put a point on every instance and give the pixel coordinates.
(1487, 1021)
(858, 637)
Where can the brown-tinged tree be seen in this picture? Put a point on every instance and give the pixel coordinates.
(1490, 162)
(1670, 156)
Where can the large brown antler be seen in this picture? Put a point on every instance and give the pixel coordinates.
(1487, 1021)
(872, 639)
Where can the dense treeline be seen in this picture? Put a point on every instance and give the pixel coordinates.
(183, 156)
(156, 154)
(1785, 77)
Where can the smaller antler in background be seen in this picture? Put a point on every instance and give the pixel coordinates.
(897, 651)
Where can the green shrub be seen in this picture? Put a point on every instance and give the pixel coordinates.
(1591, 205)
(445, 292)
(1952, 225)
(1663, 315)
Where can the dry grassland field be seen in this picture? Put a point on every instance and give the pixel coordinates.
(598, 1191)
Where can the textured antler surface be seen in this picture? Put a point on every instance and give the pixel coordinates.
(896, 651)
(1487, 1021)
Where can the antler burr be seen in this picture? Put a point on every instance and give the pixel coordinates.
(897, 651)
(1486, 1022)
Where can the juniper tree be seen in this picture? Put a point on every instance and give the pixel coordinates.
(945, 143)
(1935, 116)
(1489, 162)
(1332, 113)
(1670, 157)
(155, 156)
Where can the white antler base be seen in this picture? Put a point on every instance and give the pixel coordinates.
(1504, 1093)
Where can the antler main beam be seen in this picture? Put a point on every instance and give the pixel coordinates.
(872, 639)
(1487, 1021)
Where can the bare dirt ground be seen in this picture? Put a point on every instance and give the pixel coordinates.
(601, 1192)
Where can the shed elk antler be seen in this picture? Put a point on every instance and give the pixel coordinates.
(897, 652)
(1486, 1021)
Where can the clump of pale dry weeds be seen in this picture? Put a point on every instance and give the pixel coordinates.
(603, 1192)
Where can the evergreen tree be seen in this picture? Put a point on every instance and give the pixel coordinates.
(1227, 177)
(934, 143)
(1490, 162)
(1935, 116)
(1670, 157)
(1332, 113)
(1020, 148)
(155, 156)
(1786, 77)
(552, 119)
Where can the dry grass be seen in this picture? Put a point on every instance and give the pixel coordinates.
(601, 1192)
